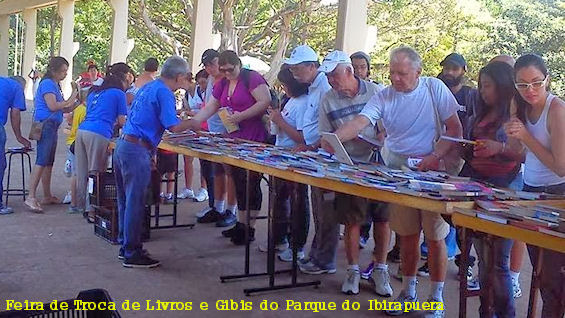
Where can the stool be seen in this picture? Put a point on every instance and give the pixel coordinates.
(22, 152)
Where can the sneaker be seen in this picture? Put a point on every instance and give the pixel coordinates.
(394, 255)
(363, 242)
(168, 199)
(201, 195)
(203, 212)
(398, 274)
(470, 274)
(142, 261)
(186, 194)
(121, 253)
(74, 210)
(239, 236)
(286, 255)
(5, 210)
(424, 270)
(366, 273)
(350, 285)
(231, 232)
(212, 216)
(313, 269)
(67, 198)
(473, 284)
(264, 248)
(402, 299)
(226, 219)
(436, 313)
(517, 291)
(381, 279)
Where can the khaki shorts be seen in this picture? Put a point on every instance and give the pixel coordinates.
(409, 221)
(350, 209)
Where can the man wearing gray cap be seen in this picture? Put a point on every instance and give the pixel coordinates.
(343, 102)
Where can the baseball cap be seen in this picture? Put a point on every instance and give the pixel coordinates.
(301, 54)
(361, 55)
(332, 60)
(456, 59)
(208, 56)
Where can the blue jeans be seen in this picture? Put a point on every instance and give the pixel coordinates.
(2, 161)
(504, 306)
(132, 167)
(47, 144)
(324, 245)
(291, 213)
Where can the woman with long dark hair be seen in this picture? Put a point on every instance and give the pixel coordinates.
(104, 105)
(539, 123)
(495, 159)
(49, 108)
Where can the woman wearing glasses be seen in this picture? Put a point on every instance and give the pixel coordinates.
(246, 94)
(539, 123)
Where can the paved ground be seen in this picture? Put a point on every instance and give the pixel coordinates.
(55, 255)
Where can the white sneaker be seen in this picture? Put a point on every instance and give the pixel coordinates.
(350, 285)
(436, 313)
(516, 290)
(381, 278)
(186, 194)
(201, 195)
(402, 299)
(473, 284)
(67, 198)
(286, 255)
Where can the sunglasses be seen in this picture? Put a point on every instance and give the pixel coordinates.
(534, 85)
(227, 70)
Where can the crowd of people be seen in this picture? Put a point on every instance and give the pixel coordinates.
(515, 120)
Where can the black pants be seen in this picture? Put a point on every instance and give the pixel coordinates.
(239, 176)
(291, 208)
(207, 172)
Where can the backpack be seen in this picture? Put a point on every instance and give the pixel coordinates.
(245, 73)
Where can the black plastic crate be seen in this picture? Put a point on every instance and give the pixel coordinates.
(106, 223)
(97, 296)
(104, 192)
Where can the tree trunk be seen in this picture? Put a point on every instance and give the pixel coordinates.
(282, 44)
(176, 45)
(229, 35)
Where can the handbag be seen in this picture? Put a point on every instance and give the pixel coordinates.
(37, 127)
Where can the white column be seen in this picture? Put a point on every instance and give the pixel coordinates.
(30, 20)
(4, 43)
(352, 25)
(121, 46)
(68, 47)
(201, 31)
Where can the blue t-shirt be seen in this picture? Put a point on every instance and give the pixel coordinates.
(102, 110)
(152, 111)
(42, 111)
(11, 96)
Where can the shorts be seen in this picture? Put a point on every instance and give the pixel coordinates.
(350, 209)
(378, 212)
(47, 144)
(409, 221)
(167, 162)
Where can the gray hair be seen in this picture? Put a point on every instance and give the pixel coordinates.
(346, 66)
(19, 79)
(174, 66)
(408, 52)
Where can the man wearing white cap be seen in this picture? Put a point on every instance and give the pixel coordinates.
(303, 64)
(347, 98)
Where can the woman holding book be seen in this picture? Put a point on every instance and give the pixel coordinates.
(244, 94)
(495, 159)
(539, 123)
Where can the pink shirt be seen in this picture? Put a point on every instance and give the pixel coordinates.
(241, 99)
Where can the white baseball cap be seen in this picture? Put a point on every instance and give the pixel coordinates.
(301, 54)
(332, 60)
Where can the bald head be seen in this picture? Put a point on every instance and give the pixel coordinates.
(504, 58)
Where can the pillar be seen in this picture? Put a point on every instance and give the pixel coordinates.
(352, 25)
(201, 37)
(121, 46)
(30, 20)
(68, 47)
(4, 43)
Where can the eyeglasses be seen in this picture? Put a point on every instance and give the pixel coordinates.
(227, 70)
(534, 85)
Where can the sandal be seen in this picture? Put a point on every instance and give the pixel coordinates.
(51, 200)
(33, 205)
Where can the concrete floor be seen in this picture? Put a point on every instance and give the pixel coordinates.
(55, 255)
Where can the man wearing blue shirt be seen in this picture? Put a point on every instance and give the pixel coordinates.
(11, 97)
(153, 110)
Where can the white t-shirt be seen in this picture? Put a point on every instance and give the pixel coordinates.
(409, 118)
(214, 122)
(293, 114)
(319, 87)
(195, 102)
